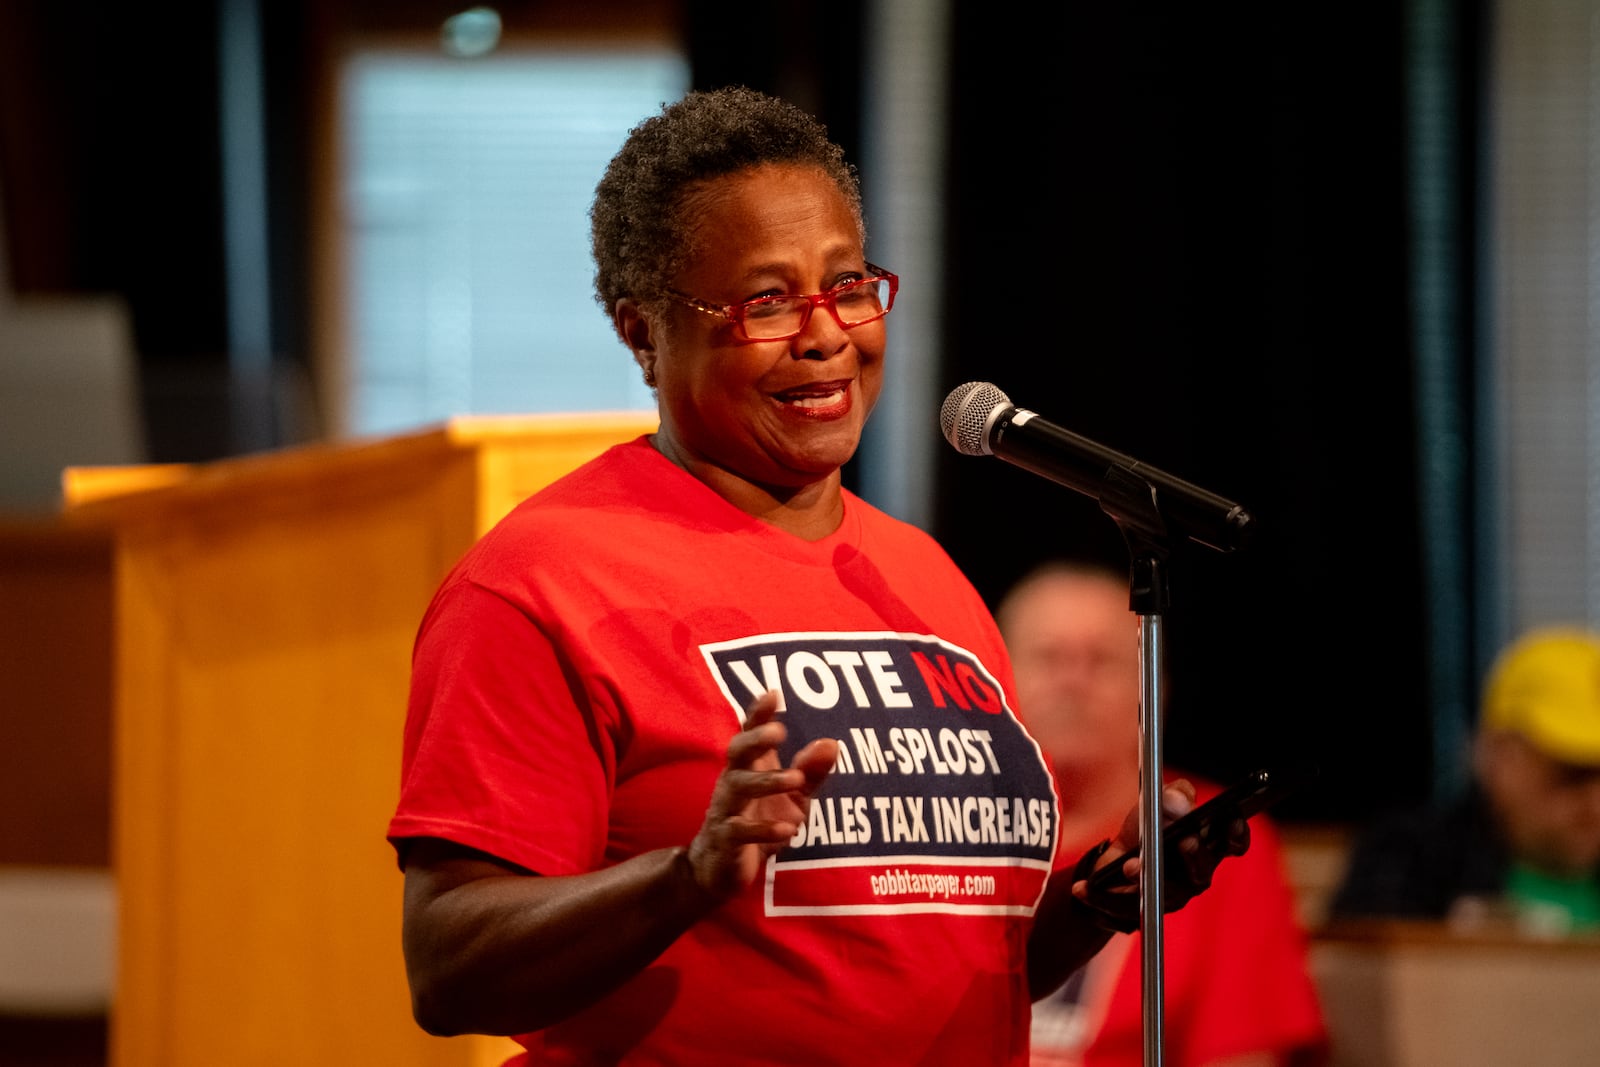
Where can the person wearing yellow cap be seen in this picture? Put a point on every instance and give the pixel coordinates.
(1524, 843)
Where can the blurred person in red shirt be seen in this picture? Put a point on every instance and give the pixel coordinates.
(1238, 988)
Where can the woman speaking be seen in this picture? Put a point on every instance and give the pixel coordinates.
(708, 761)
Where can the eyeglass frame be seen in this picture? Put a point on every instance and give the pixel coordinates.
(734, 314)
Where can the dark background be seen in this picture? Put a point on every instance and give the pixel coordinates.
(1183, 232)
(1212, 223)
(1179, 230)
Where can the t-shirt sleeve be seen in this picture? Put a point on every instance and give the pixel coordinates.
(503, 751)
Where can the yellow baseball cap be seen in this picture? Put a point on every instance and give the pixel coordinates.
(1546, 687)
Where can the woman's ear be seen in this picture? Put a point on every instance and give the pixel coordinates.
(637, 330)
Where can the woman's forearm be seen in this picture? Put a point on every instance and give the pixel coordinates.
(1064, 938)
(491, 951)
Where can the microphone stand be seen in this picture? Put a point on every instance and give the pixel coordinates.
(978, 419)
(1132, 504)
(1148, 597)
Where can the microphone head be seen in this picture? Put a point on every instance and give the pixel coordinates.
(968, 414)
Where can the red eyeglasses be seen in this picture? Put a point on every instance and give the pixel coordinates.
(778, 318)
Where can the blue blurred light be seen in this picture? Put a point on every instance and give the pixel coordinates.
(474, 32)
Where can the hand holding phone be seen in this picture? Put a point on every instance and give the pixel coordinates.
(1241, 800)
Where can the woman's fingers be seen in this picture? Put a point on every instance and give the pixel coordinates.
(814, 762)
(1177, 799)
(757, 804)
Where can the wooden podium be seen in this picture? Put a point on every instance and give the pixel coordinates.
(264, 611)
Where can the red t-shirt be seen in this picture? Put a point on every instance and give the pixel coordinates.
(1234, 970)
(575, 684)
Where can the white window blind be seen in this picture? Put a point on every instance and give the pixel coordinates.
(1545, 202)
(466, 193)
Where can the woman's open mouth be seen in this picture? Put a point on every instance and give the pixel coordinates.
(822, 400)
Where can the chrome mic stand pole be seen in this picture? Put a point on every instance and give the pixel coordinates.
(1148, 598)
(1132, 503)
(1136, 507)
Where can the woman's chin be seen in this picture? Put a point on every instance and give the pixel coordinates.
(822, 456)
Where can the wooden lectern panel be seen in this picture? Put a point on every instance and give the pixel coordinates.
(265, 612)
(1418, 994)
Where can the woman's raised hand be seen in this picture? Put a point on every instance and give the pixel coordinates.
(757, 804)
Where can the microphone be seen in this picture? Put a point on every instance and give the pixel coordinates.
(980, 420)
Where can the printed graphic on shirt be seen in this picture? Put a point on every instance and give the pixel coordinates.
(938, 801)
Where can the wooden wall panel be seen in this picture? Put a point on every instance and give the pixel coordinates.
(55, 694)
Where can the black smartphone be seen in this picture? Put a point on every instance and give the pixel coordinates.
(1249, 795)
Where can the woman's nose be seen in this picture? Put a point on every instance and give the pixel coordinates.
(821, 336)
